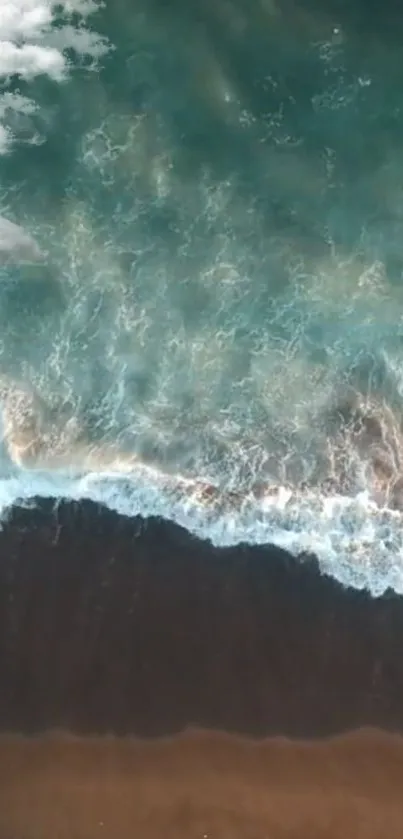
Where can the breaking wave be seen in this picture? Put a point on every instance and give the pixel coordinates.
(355, 529)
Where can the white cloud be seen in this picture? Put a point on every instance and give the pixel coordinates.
(30, 60)
(31, 45)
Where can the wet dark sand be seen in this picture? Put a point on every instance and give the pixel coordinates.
(111, 626)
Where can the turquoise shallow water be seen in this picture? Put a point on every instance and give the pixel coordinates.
(213, 328)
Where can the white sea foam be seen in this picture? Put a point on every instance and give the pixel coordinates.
(356, 542)
(31, 46)
(356, 539)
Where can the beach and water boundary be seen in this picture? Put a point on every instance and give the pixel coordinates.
(136, 638)
(201, 324)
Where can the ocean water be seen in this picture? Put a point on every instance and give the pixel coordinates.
(201, 287)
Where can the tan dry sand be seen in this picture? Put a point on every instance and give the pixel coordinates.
(201, 785)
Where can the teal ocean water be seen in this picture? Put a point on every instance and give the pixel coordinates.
(201, 287)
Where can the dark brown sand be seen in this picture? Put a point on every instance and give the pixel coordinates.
(110, 626)
(201, 785)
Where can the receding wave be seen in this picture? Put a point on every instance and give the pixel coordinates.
(355, 530)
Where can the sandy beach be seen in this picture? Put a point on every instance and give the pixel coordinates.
(153, 686)
(201, 785)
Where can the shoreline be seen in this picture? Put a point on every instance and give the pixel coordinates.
(131, 626)
(152, 685)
